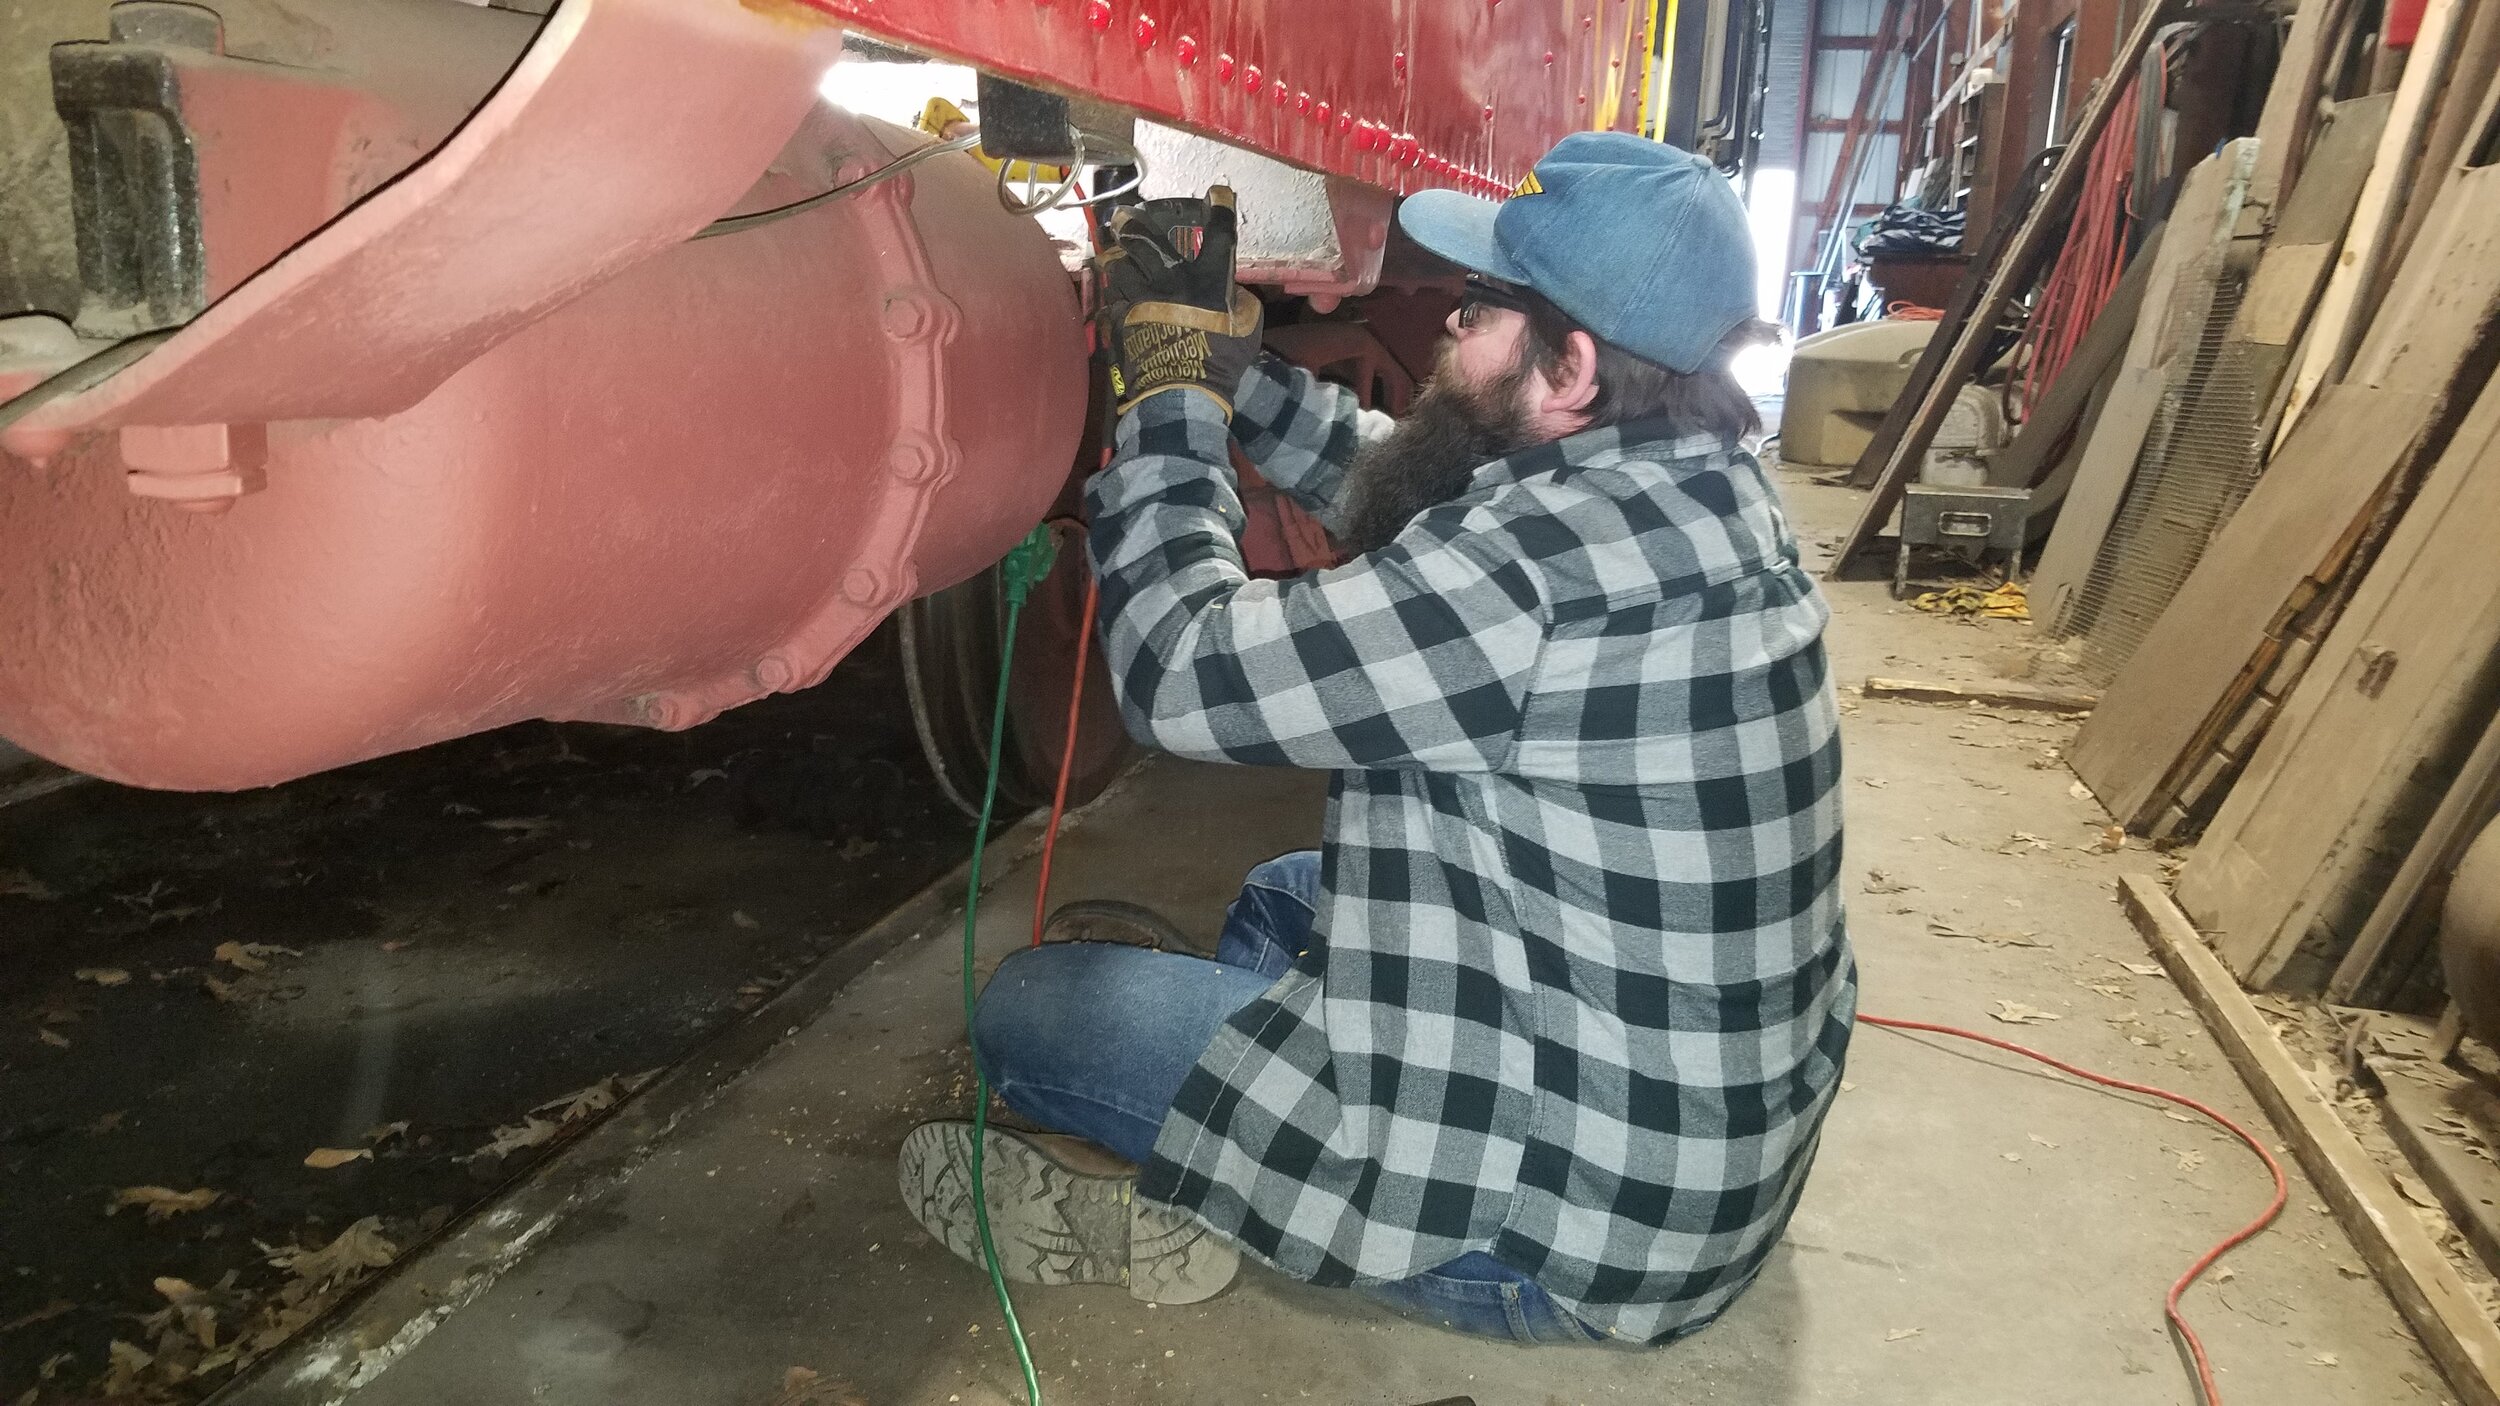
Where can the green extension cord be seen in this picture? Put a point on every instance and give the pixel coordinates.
(1026, 565)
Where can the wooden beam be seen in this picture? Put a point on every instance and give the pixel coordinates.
(2327, 480)
(2342, 314)
(1996, 693)
(2425, 1286)
(1996, 284)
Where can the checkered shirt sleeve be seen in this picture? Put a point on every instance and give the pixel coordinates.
(1415, 655)
(1300, 432)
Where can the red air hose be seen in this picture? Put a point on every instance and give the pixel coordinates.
(2089, 267)
(2207, 1392)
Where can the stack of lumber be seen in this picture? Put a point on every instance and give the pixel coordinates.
(2322, 684)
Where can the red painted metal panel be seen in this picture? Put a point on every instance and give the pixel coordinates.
(1406, 94)
(501, 443)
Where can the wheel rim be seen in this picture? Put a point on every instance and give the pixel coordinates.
(950, 647)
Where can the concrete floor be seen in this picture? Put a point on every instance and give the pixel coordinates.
(1975, 1232)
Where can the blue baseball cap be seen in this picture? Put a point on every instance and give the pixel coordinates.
(1643, 244)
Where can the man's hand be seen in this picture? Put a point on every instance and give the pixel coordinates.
(1171, 315)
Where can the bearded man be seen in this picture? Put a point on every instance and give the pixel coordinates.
(1538, 1044)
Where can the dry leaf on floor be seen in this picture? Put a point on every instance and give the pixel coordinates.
(2415, 1192)
(2112, 839)
(103, 976)
(322, 1159)
(2110, 989)
(1898, 1334)
(376, 1136)
(522, 827)
(804, 1386)
(2016, 1013)
(251, 956)
(2324, 1359)
(2078, 790)
(2044, 1142)
(1876, 781)
(1877, 881)
(223, 991)
(161, 1202)
(741, 918)
(44, 1314)
(17, 883)
(2189, 1160)
(54, 1038)
(2352, 1271)
(104, 1123)
(2021, 842)
(1994, 939)
(515, 1137)
(129, 1363)
(2143, 968)
(2011, 1156)
(358, 1248)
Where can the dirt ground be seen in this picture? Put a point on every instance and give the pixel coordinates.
(396, 961)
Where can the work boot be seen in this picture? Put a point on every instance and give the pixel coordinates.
(1062, 1211)
(1112, 920)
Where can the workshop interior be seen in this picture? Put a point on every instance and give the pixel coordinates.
(582, 582)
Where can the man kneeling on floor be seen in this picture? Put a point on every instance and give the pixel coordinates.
(1539, 1043)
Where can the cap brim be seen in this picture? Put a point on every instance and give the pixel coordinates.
(1459, 228)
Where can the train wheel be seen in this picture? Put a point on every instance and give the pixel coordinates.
(951, 645)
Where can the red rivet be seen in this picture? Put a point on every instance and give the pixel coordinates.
(1366, 136)
(1589, 23)
(1223, 68)
(1186, 50)
(1098, 13)
(1302, 103)
(1397, 63)
(1250, 78)
(1549, 57)
(1143, 31)
(1488, 112)
(1584, 100)
(1345, 123)
(1279, 92)
(1322, 114)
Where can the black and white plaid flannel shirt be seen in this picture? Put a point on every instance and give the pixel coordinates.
(1580, 987)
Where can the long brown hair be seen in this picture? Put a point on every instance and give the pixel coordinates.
(1629, 387)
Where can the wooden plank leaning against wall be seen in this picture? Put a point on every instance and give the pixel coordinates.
(2331, 798)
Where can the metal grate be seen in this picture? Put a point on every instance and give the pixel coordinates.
(2198, 462)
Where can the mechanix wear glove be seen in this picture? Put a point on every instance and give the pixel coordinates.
(1171, 314)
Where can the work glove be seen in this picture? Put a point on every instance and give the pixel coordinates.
(1172, 317)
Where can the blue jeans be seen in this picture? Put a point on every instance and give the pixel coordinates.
(1094, 1038)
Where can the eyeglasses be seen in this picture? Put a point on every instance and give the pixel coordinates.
(1482, 293)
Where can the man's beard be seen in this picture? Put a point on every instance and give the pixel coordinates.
(1450, 430)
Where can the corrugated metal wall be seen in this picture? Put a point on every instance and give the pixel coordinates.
(1838, 74)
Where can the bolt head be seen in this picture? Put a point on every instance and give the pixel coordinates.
(1279, 92)
(1098, 13)
(1143, 31)
(1250, 78)
(1186, 50)
(1223, 68)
